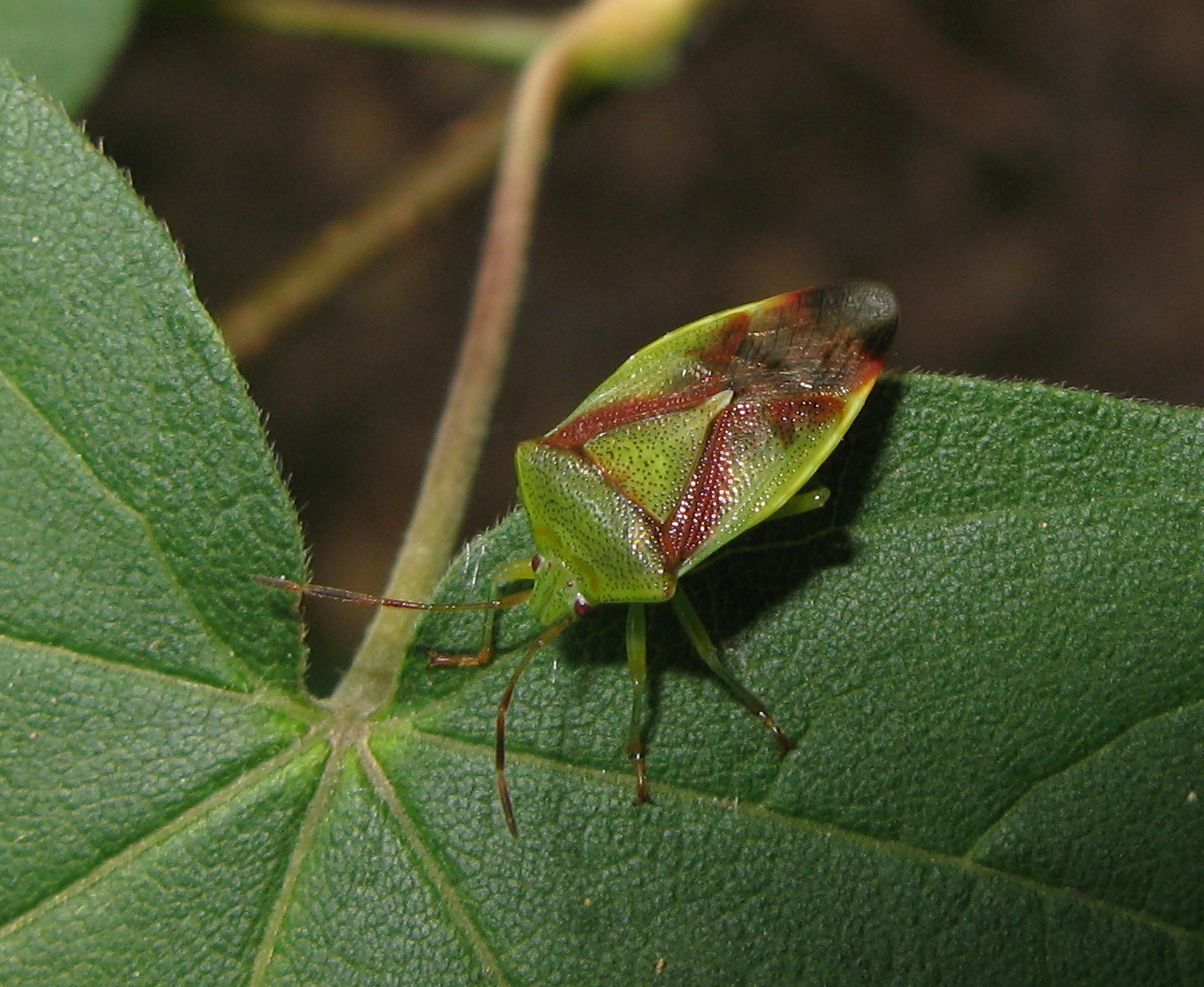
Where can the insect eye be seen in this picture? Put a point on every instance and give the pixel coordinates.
(536, 562)
(581, 606)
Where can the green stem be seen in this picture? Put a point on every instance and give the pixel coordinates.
(459, 162)
(443, 496)
(620, 40)
(498, 38)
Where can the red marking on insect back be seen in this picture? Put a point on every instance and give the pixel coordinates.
(791, 367)
(707, 492)
(577, 432)
(790, 363)
(711, 487)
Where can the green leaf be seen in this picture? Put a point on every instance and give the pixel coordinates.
(148, 696)
(67, 45)
(991, 656)
(989, 649)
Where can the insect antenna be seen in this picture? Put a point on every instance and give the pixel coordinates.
(368, 600)
(503, 789)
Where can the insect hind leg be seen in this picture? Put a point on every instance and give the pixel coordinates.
(548, 635)
(801, 503)
(692, 624)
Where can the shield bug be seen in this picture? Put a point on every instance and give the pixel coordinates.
(696, 438)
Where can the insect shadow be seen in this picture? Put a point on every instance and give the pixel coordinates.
(795, 549)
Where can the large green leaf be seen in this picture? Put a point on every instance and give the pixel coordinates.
(68, 45)
(989, 649)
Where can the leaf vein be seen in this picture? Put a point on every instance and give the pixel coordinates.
(127, 508)
(269, 696)
(388, 794)
(318, 804)
(148, 841)
(829, 831)
(977, 846)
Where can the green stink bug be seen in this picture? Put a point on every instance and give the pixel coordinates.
(696, 438)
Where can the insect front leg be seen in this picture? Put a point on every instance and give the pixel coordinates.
(637, 668)
(514, 573)
(691, 623)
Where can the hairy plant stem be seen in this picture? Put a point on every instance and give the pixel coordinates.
(615, 40)
(499, 38)
(443, 496)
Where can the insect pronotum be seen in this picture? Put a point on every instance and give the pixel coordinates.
(702, 434)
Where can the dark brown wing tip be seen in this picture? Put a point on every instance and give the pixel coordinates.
(866, 309)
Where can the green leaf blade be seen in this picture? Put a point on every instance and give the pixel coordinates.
(1003, 598)
(369, 909)
(1088, 826)
(723, 892)
(198, 892)
(156, 765)
(98, 756)
(125, 425)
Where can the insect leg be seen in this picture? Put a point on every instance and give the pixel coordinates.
(691, 623)
(503, 788)
(484, 656)
(637, 668)
(515, 572)
(801, 503)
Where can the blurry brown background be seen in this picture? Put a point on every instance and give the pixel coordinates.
(1027, 176)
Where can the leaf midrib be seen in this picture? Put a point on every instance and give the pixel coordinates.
(149, 840)
(440, 882)
(268, 696)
